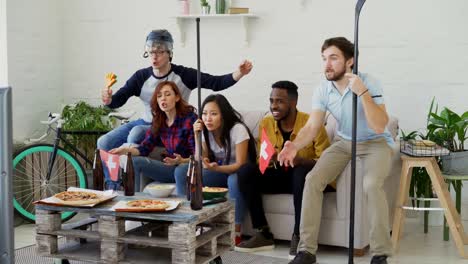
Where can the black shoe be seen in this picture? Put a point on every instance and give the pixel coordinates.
(379, 260)
(256, 243)
(304, 257)
(293, 248)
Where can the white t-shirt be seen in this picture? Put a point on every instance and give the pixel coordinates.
(238, 134)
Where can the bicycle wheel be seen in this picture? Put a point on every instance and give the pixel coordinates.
(29, 177)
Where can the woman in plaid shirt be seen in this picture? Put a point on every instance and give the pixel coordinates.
(172, 127)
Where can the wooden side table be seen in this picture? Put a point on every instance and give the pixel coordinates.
(441, 189)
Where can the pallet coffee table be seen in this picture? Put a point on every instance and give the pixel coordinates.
(178, 236)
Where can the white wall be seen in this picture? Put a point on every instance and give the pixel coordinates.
(3, 44)
(35, 61)
(417, 49)
(60, 51)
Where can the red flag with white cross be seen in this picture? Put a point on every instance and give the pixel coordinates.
(112, 162)
(266, 152)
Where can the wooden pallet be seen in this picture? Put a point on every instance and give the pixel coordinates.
(164, 241)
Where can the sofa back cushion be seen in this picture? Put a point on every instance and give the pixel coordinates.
(331, 126)
(252, 119)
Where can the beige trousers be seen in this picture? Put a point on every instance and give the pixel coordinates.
(376, 157)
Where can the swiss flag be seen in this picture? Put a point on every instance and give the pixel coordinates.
(266, 152)
(112, 162)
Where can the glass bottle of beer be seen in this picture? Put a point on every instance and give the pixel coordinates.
(98, 173)
(196, 185)
(129, 177)
(188, 178)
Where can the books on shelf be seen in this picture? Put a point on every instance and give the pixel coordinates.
(238, 10)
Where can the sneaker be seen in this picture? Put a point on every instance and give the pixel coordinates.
(379, 259)
(256, 243)
(293, 247)
(304, 257)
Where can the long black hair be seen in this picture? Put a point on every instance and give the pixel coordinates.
(229, 117)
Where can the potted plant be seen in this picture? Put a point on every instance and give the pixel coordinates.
(84, 117)
(449, 130)
(205, 7)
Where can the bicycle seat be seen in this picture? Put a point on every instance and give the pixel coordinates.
(122, 115)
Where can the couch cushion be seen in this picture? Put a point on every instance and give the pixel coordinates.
(252, 119)
(278, 203)
(283, 204)
(331, 126)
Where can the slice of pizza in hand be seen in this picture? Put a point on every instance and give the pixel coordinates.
(111, 79)
(77, 198)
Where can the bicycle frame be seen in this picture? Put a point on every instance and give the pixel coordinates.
(57, 140)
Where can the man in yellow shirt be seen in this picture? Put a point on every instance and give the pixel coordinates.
(282, 125)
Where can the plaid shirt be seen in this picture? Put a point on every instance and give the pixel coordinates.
(178, 138)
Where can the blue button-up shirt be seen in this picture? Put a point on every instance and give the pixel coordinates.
(327, 98)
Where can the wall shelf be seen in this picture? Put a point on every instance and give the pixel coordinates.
(244, 20)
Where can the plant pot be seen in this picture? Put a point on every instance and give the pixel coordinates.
(220, 6)
(205, 10)
(456, 163)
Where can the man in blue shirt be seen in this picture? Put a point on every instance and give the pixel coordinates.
(373, 147)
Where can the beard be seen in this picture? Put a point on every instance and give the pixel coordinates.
(335, 75)
(284, 115)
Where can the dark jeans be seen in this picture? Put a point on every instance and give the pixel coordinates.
(253, 184)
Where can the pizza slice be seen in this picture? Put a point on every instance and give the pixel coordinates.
(148, 204)
(77, 198)
(111, 79)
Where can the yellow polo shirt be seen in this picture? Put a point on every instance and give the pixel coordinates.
(311, 151)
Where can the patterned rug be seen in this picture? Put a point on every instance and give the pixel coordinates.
(27, 255)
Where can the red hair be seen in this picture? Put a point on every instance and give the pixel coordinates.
(159, 117)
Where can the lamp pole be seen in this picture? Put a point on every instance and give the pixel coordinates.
(359, 5)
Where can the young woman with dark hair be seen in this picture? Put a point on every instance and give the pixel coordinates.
(227, 145)
(172, 126)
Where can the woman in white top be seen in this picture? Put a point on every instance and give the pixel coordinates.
(227, 145)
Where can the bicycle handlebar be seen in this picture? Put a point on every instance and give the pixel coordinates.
(53, 117)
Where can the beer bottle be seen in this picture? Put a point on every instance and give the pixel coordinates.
(188, 178)
(196, 185)
(98, 173)
(129, 177)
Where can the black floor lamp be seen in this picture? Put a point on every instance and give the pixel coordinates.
(359, 5)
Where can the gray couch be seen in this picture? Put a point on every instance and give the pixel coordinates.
(334, 229)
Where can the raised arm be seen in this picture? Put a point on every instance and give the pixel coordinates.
(244, 68)
(212, 82)
(376, 114)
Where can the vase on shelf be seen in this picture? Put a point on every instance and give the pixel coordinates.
(220, 6)
(184, 7)
(205, 10)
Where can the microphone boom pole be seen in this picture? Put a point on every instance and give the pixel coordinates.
(359, 5)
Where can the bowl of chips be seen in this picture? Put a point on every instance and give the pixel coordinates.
(214, 192)
(160, 190)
